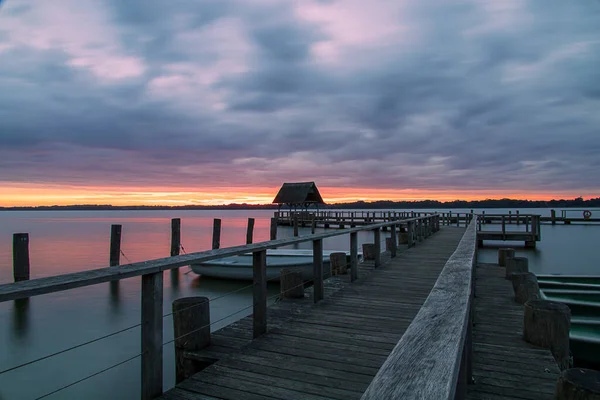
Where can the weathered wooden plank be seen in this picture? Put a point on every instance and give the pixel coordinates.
(426, 361)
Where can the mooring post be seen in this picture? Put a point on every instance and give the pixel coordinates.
(191, 327)
(518, 221)
(273, 228)
(318, 270)
(259, 307)
(377, 247)
(553, 216)
(175, 236)
(250, 231)
(21, 257)
(115, 245)
(216, 238)
(353, 256)
(152, 335)
(393, 247)
(313, 224)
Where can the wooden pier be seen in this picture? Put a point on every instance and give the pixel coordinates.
(420, 321)
(332, 349)
(504, 365)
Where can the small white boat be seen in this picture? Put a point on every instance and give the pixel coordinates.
(240, 267)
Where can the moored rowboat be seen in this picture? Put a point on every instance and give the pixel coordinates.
(240, 267)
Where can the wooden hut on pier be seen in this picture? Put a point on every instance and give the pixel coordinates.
(298, 195)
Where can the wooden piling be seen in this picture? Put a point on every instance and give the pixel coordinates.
(578, 384)
(339, 263)
(175, 236)
(553, 216)
(259, 278)
(191, 327)
(273, 230)
(250, 231)
(216, 238)
(21, 257)
(291, 283)
(504, 254)
(547, 324)
(353, 256)
(115, 245)
(318, 289)
(515, 265)
(377, 247)
(152, 335)
(295, 225)
(525, 286)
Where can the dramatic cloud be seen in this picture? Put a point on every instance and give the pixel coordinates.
(431, 95)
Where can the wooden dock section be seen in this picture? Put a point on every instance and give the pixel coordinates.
(504, 365)
(328, 350)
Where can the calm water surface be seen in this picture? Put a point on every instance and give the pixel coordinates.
(71, 241)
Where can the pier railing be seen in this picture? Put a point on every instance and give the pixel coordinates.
(152, 284)
(432, 360)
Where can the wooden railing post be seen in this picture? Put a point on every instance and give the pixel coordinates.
(259, 305)
(353, 256)
(115, 245)
(295, 224)
(393, 232)
(318, 270)
(377, 247)
(250, 231)
(175, 236)
(216, 239)
(152, 335)
(503, 228)
(20, 257)
(273, 229)
(410, 232)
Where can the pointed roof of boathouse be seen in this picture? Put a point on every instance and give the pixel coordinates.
(297, 193)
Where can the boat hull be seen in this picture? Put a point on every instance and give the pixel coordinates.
(240, 267)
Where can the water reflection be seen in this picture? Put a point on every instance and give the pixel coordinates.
(21, 319)
(115, 297)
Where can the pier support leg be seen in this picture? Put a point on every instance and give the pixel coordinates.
(191, 326)
(152, 335)
(339, 263)
(525, 286)
(354, 256)
(273, 229)
(216, 239)
(259, 278)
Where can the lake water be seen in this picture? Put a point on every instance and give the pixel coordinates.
(70, 241)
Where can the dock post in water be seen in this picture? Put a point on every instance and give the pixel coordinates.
(191, 327)
(250, 231)
(115, 245)
(21, 257)
(175, 236)
(553, 216)
(273, 229)
(259, 308)
(216, 238)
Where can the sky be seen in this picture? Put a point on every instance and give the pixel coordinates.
(219, 101)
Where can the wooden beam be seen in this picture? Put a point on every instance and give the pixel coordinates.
(259, 308)
(152, 335)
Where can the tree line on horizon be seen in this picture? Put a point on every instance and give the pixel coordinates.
(379, 204)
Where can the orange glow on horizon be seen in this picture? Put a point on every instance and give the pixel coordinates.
(12, 194)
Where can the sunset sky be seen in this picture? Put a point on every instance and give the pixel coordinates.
(218, 101)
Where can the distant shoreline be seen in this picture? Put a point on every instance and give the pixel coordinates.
(374, 205)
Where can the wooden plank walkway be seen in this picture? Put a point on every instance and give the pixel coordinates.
(504, 365)
(329, 350)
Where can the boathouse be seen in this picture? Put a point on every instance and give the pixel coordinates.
(299, 195)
